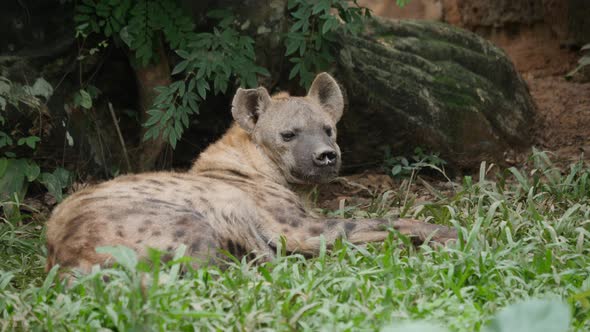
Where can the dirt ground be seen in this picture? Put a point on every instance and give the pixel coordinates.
(563, 106)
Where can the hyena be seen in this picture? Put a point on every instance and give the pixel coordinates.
(238, 196)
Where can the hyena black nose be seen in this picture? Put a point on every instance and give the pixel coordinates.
(325, 158)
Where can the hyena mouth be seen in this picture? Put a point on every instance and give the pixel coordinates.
(322, 175)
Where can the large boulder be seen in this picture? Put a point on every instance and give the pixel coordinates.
(428, 84)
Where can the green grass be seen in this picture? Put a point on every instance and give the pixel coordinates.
(525, 233)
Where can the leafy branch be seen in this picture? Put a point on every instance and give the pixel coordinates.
(211, 61)
(310, 40)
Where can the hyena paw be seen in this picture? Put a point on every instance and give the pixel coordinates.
(420, 231)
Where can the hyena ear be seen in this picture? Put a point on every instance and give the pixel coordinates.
(326, 91)
(248, 105)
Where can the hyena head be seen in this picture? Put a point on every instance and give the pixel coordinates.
(297, 133)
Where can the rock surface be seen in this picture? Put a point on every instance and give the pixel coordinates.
(428, 84)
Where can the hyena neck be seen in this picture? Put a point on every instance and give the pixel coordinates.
(236, 153)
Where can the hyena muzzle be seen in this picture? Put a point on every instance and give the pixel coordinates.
(238, 195)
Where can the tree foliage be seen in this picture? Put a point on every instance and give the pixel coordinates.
(212, 61)
(309, 42)
(16, 171)
(208, 64)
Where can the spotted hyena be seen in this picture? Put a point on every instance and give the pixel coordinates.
(237, 196)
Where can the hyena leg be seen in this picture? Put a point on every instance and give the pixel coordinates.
(360, 231)
(418, 231)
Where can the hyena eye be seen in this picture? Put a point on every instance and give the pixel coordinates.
(288, 135)
(328, 131)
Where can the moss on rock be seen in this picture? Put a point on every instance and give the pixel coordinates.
(428, 84)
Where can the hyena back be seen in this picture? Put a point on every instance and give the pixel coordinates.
(236, 197)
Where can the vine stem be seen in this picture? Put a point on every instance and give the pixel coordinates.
(121, 140)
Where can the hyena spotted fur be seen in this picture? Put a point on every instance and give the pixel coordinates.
(238, 195)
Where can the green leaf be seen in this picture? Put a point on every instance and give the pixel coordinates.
(297, 26)
(169, 113)
(31, 170)
(163, 99)
(13, 180)
(202, 87)
(251, 81)
(183, 54)
(53, 185)
(396, 170)
(402, 3)
(153, 132)
(181, 88)
(329, 24)
(184, 119)
(108, 29)
(5, 278)
(93, 91)
(30, 141)
(292, 46)
(532, 316)
(292, 4)
(85, 99)
(40, 88)
(64, 176)
(294, 71)
(165, 133)
(155, 116)
(181, 66)
(126, 37)
(5, 140)
(49, 280)
(172, 138)
(124, 256)
(119, 12)
(115, 25)
(192, 103)
(5, 86)
(178, 126)
(191, 85)
(3, 166)
(321, 6)
(176, 85)
(262, 71)
(300, 13)
(94, 26)
(302, 48)
(200, 73)
(81, 18)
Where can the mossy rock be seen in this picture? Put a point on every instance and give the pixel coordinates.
(428, 84)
